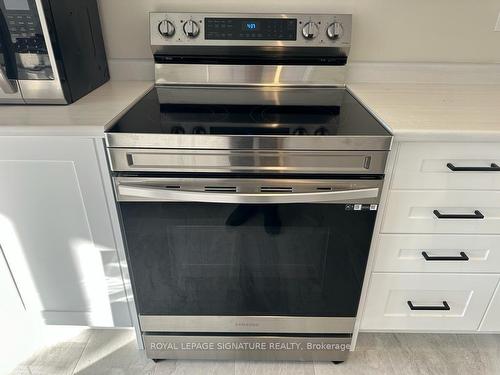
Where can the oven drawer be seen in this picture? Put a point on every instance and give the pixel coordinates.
(461, 212)
(247, 324)
(451, 166)
(248, 347)
(438, 302)
(437, 253)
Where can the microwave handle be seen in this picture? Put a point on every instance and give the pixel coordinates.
(7, 85)
(153, 193)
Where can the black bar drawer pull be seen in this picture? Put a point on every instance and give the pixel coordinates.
(462, 257)
(445, 307)
(476, 215)
(492, 168)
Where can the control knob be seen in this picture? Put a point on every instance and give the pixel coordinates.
(166, 28)
(178, 130)
(300, 131)
(321, 131)
(191, 29)
(310, 30)
(335, 31)
(199, 130)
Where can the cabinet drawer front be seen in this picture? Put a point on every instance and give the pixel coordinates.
(430, 166)
(445, 253)
(418, 211)
(465, 296)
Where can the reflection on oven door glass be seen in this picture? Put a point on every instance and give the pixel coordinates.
(227, 259)
(225, 252)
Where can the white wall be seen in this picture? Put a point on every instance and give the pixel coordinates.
(384, 30)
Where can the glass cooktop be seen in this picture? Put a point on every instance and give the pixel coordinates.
(345, 118)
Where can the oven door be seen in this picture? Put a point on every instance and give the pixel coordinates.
(248, 255)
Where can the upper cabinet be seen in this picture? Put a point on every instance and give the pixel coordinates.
(56, 230)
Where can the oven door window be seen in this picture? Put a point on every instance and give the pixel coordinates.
(228, 259)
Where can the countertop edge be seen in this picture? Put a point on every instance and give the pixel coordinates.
(427, 135)
(130, 105)
(86, 128)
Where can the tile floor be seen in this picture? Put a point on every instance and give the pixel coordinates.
(113, 352)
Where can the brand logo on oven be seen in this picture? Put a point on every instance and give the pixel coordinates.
(243, 324)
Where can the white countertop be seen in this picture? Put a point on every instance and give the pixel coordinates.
(434, 112)
(412, 112)
(89, 116)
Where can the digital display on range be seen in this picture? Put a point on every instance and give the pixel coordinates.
(250, 29)
(252, 26)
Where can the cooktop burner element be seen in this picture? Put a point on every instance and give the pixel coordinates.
(345, 117)
(251, 120)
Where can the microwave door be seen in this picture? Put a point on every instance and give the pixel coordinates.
(9, 90)
(29, 54)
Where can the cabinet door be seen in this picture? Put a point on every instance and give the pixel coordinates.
(491, 321)
(15, 322)
(56, 232)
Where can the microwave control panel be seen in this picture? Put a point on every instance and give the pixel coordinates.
(22, 19)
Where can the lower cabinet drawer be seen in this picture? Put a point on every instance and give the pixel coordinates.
(445, 212)
(447, 166)
(427, 302)
(437, 253)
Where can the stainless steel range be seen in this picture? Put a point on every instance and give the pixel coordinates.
(248, 182)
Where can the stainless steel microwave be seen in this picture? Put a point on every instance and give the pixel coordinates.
(51, 51)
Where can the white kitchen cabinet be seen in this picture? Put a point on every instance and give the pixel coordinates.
(491, 321)
(56, 230)
(404, 253)
(425, 166)
(14, 347)
(420, 182)
(466, 297)
(414, 212)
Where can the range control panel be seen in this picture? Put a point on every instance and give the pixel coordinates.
(298, 30)
(250, 29)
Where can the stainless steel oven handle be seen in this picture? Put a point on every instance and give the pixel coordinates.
(162, 194)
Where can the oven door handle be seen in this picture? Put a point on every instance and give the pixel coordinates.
(153, 193)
